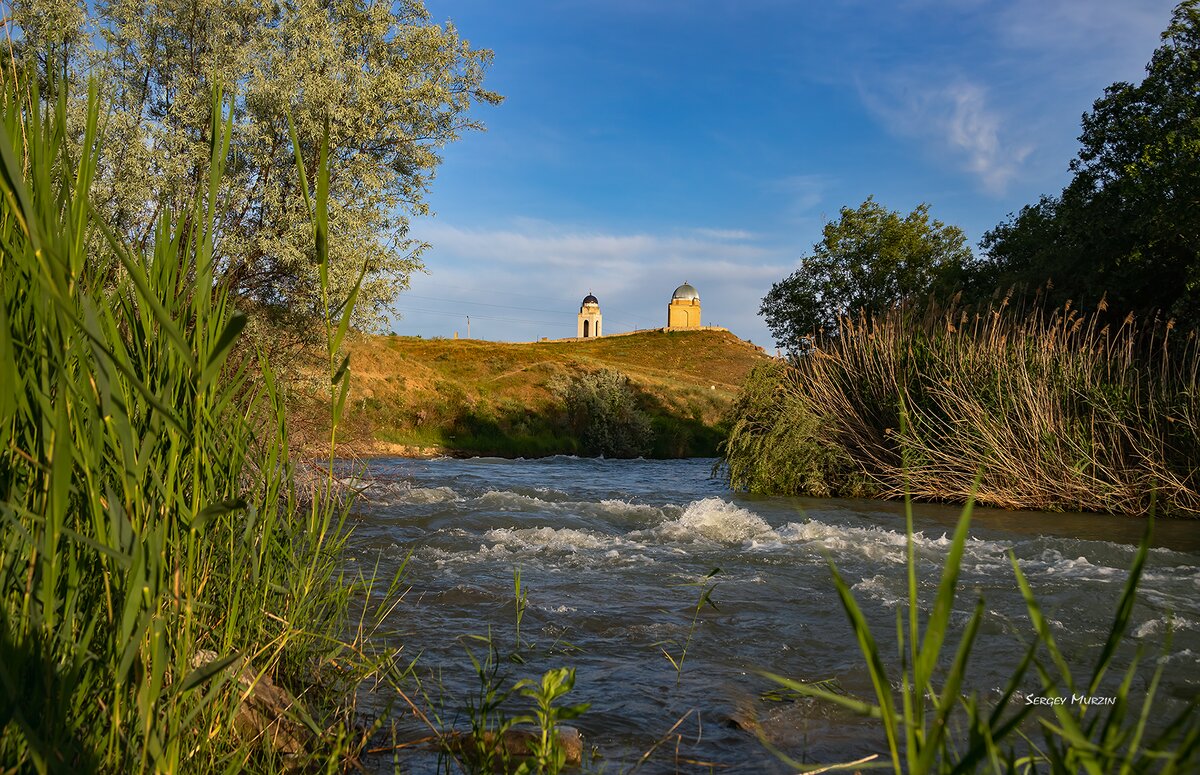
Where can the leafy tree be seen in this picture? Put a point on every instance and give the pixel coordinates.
(869, 260)
(392, 86)
(1127, 226)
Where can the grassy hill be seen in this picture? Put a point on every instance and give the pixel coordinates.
(465, 396)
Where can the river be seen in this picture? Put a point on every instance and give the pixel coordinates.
(615, 554)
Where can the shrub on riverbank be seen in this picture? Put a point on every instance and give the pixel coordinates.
(602, 412)
(158, 560)
(776, 444)
(1057, 412)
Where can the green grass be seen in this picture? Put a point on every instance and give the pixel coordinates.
(932, 726)
(149, 512)
(477, 397)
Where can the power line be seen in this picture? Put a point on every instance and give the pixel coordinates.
(635, 323)
(481, 317)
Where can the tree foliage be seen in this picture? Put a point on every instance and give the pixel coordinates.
(1127, 226)
(391, 85)
(869, 260)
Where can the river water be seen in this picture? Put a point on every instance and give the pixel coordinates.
(615, 554)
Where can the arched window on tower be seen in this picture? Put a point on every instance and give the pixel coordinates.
(586, 323)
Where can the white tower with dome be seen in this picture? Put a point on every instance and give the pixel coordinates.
(590, 319)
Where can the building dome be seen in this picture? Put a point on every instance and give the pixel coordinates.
(685, 292)
(590, 299)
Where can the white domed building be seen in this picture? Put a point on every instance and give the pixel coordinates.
(590, 319)
(684, 309)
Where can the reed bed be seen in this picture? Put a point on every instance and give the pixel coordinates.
(1057, 410)
(159, 565)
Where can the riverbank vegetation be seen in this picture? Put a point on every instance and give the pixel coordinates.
(1088, 717)
(1056, 411)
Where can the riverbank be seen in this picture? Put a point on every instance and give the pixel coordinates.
(1035, 411)
(419, 397)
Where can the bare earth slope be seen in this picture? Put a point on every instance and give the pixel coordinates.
(466, 396)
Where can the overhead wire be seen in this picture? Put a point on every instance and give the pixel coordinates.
(634, 323)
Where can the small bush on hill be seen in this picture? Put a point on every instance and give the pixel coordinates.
(602, 411)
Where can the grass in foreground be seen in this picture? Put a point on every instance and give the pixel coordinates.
(932, 727)
(159, 562)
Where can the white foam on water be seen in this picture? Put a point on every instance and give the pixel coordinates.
(716, 520)
(882, 545)
(431, 495)
(563, 539)
(878, 588)
(1177, 574)
(506, 500)
(1052, 565)
(625, 509)
(401, 493)
(1187, 655)
(1159, 625)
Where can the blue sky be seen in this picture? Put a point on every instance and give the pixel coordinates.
(642, 144)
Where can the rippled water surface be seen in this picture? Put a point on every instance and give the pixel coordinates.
(615, 555)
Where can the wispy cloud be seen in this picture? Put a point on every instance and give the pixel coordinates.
(1115, 33)
(955, 117)
(801, 194)
(973, 129)
(1001, 99)
(732, 235)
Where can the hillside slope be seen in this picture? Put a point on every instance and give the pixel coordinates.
(465, 396)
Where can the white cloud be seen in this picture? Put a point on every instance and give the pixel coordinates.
(973, 129)
(1002, 100)
(955, 117)
(1116, 34)
(734, 235)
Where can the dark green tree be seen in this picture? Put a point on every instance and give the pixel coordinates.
(1127, 226)
(869, 260)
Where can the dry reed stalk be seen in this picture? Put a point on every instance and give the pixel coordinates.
(1056, 410)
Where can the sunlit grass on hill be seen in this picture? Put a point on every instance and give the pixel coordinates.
(469, 396)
